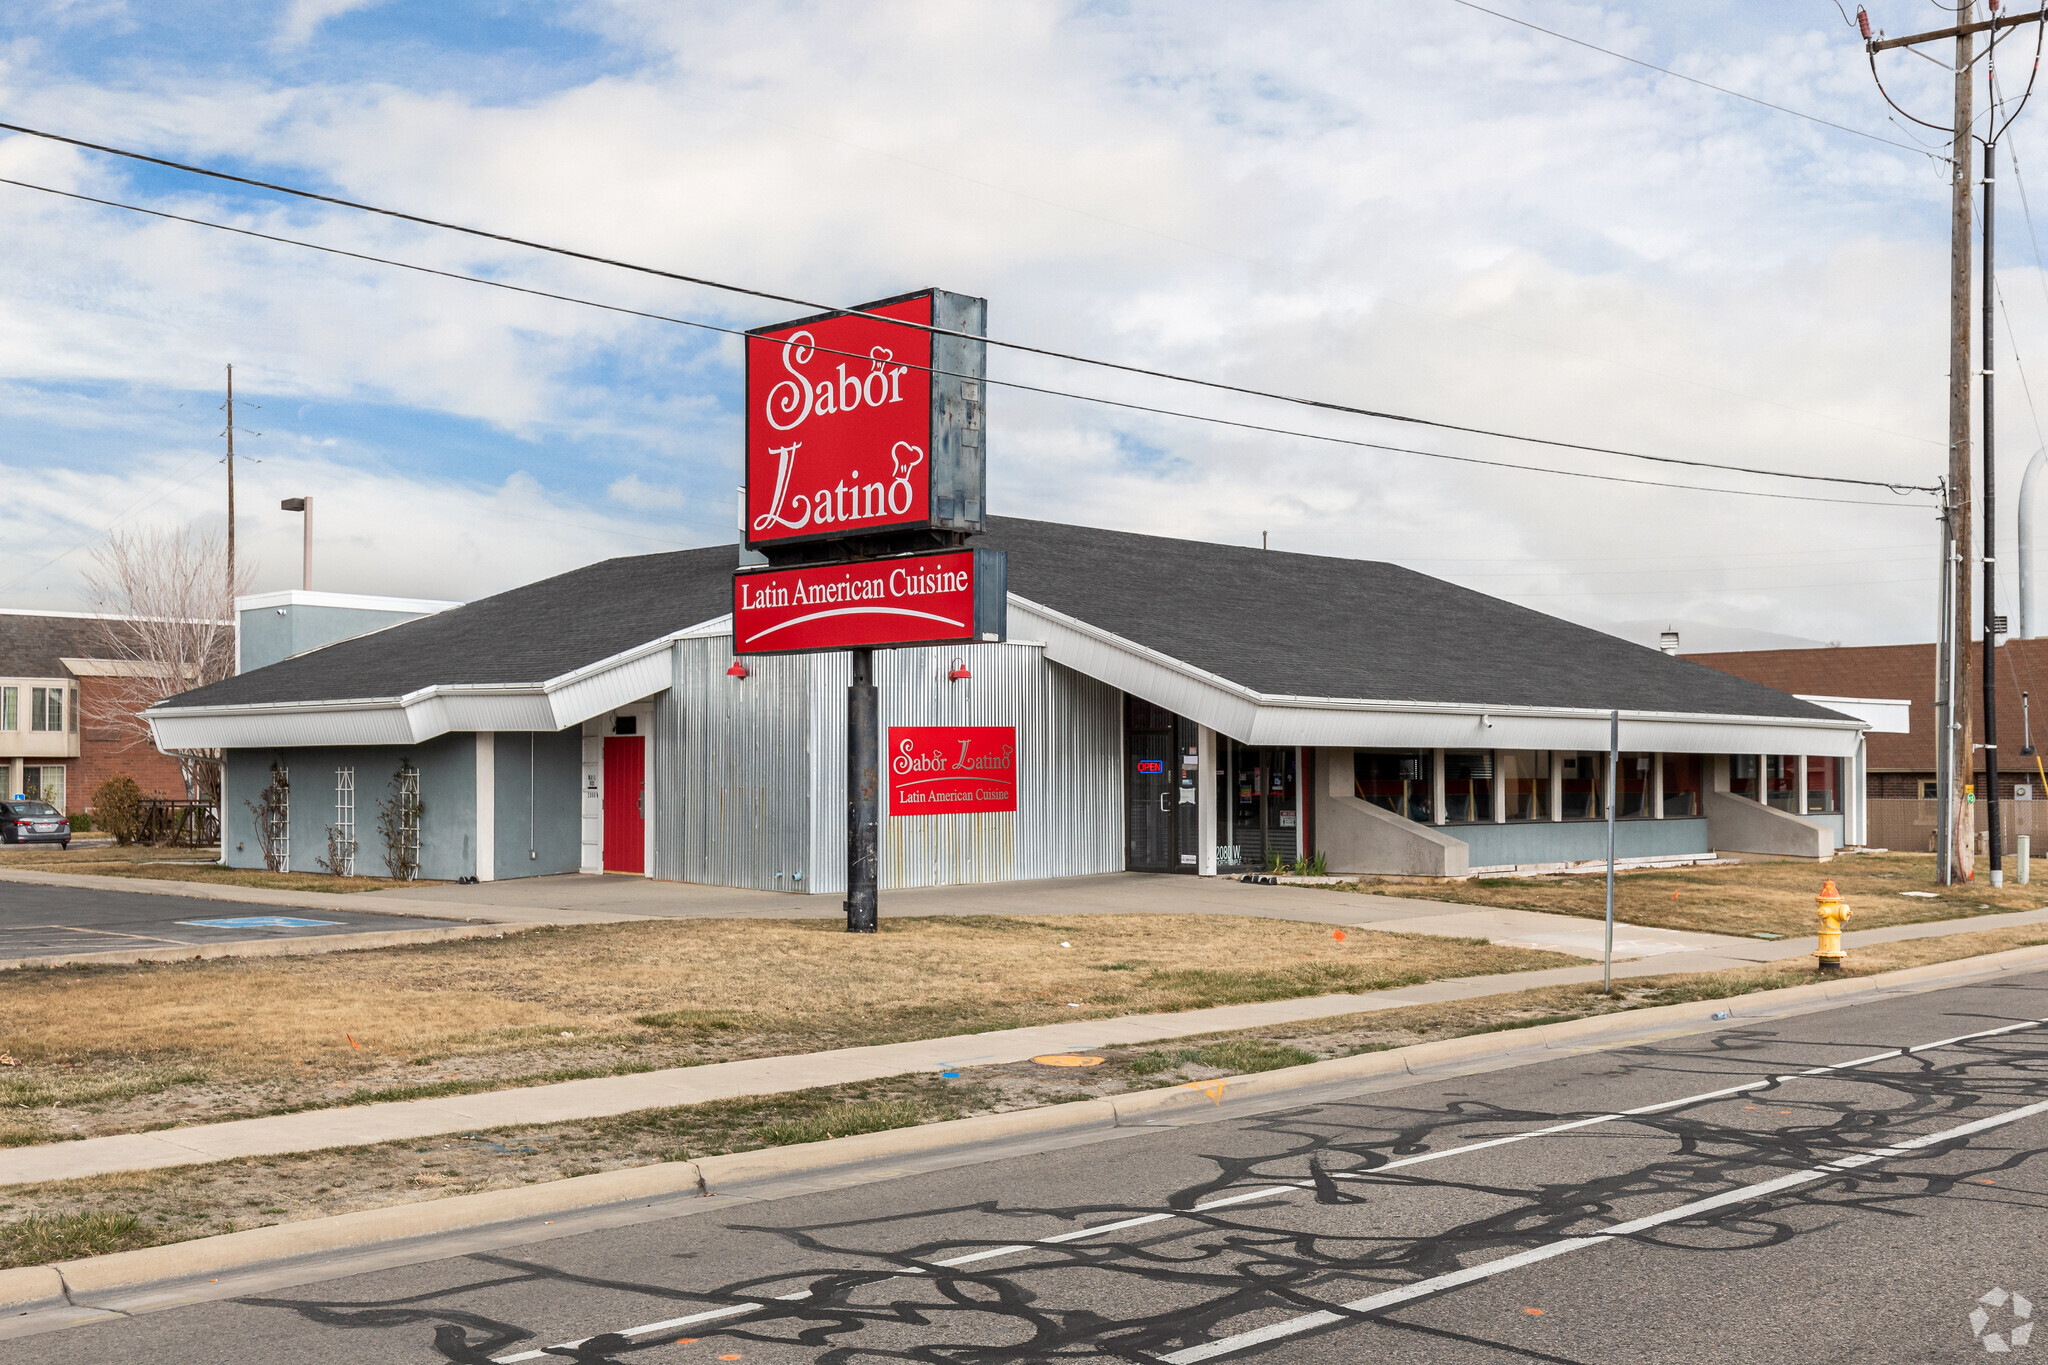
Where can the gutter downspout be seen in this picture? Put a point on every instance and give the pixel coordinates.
(2027, 621)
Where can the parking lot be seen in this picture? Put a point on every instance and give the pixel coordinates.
(37, 921)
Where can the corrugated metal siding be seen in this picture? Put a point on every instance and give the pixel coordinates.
(731, 781)
(1069, 816)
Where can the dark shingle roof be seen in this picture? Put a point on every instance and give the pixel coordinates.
(527, 635)
(1316, 626)
(1278, 623)
(30, 646)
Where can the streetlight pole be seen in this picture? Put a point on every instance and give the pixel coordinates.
(304, 505)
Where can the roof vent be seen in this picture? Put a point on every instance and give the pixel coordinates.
(1668, 642)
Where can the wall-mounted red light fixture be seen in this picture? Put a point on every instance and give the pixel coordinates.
(738, 670)
(959, 673)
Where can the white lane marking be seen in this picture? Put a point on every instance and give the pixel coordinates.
(1308, 1322)
(1290, 1188)
(1555, 1128)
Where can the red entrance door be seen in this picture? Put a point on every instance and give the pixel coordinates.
(625, 803)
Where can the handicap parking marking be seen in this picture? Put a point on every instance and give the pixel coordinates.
(261, 922)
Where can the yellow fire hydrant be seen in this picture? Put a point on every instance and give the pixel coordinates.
(1832, 913)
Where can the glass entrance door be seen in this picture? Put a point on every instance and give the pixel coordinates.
(1159, 782)
(1258, 794)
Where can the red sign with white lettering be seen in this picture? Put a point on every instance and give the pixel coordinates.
(839, 425)
(955, 595)
(952, 769)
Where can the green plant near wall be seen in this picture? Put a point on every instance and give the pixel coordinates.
(398, 823)
(117, 804)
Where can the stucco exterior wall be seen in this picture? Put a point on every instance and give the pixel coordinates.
(447, 769)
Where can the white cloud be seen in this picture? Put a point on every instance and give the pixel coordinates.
(303, 18)
(1442, 215)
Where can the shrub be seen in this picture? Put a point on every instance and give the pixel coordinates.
(398, 823)
(272, 809)
(118, 805)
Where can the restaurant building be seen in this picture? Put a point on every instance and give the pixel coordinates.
(1158, 705)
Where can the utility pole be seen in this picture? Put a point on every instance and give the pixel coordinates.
(1956, 804)
(1959, 750)
(231, 487)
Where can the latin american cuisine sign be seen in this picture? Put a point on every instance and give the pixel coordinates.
(856, 424)
(954, 596)
(952, 769)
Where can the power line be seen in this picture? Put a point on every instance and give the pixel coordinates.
(1022, 348)
(1695, 80)
(1120, 404)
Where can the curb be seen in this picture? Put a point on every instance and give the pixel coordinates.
(29, 1288)
(267, 947)
(247, 895)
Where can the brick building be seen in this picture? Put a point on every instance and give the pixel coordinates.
(59, 732)
(1902, 765)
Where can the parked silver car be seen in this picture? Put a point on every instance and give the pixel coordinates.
(33, 822)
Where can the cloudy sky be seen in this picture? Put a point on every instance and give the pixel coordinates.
(1421, 208)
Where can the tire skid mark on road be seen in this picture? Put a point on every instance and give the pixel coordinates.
(725, 1314)
(1764, 1189)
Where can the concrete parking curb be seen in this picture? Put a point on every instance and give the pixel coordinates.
(267, 947)
(29, 1288)
(358, 901)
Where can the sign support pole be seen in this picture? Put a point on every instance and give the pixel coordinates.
(1613, 775)
(863, 795)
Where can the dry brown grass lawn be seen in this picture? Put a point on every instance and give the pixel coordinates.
(175, 865)
(115, 1048)
(108, 1213)
(1771, 897)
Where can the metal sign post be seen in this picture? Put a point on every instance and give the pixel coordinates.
(1613, 773)
(863, 796)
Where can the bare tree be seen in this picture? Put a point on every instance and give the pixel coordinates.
(167, 622)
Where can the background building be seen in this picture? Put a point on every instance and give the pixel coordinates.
(60, 734)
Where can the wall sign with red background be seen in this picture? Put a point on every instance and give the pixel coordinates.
(857, 426)
(952, 769)
(950, 597)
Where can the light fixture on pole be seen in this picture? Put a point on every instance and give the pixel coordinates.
(304, 505)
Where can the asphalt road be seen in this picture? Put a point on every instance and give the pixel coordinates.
(1514, 1215)
(65, 919)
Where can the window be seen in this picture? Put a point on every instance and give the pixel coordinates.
(1742, 775)
(1468, 785)
(10, 708)
(1632, 788)
(1397, 781)
(73, 721)
(1585, 779)
(1526, 774)
(1681, 785)
(1930, 791)
(1781, 772)
(44, 783)
(39, 708)
(1822, 790)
